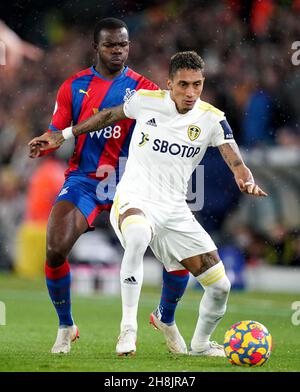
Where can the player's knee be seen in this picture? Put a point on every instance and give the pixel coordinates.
(137, 236)
(226, 285)
(220, 289)
(56, 253)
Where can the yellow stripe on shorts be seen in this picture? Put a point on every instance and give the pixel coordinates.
(133, 219)
(213, 276)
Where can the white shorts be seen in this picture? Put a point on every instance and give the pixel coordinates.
(177, 235)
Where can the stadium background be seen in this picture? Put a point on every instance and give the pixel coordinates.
(247, 47)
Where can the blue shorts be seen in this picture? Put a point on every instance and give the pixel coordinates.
(82, 192)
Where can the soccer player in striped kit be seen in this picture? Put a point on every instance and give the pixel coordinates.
(81, 199)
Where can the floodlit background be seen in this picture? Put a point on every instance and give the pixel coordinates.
(252, 56)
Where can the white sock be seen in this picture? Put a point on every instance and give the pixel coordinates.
(137, 233)
(212, 305)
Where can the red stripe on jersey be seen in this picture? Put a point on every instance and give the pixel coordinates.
(86, 71)
(96, 92)
(75, 159)
(143, 82)
(133, 75)
(113, 146)
(62, 117)
(146, 84)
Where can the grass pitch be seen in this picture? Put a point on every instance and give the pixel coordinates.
(26, 340)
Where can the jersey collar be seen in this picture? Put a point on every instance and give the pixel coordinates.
(122, 74)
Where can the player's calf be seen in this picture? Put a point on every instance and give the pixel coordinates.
(136, 232)
(173, 288)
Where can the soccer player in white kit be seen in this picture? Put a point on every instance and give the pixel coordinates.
(173, 130)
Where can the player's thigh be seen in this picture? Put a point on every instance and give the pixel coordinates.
(194, 250)
(65, 225)
(198, 264)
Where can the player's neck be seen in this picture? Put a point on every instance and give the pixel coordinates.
(106, 73)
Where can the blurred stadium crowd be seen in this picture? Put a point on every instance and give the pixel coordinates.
(249, 75)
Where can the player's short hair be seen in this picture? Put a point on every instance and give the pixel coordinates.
(185, 60)
(108, 23)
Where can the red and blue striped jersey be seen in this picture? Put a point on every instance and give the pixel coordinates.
(81, 96)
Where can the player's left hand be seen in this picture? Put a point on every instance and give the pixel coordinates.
(47, 141)
(250, 188)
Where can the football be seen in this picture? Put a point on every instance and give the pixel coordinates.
(248, 343)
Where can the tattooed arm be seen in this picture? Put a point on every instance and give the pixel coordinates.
(242, 174)
(100, 120)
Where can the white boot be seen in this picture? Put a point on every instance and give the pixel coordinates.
(64, 338)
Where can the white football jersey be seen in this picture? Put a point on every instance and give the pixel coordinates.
(166, 146)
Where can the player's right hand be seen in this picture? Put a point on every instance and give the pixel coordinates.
(47, 141)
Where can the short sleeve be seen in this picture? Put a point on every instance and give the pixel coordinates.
(221, 133)
(132, 105)
(62, 116)
(148, 85)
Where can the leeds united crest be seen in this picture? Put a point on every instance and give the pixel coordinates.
(193, 132)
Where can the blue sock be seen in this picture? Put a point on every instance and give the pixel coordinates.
(174, 285)
(59, 286)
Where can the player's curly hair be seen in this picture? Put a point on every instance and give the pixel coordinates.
(108, 23)
(185, 60)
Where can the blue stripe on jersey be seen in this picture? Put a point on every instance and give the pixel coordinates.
(81, 83)
(94, 146)
(53, 128)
